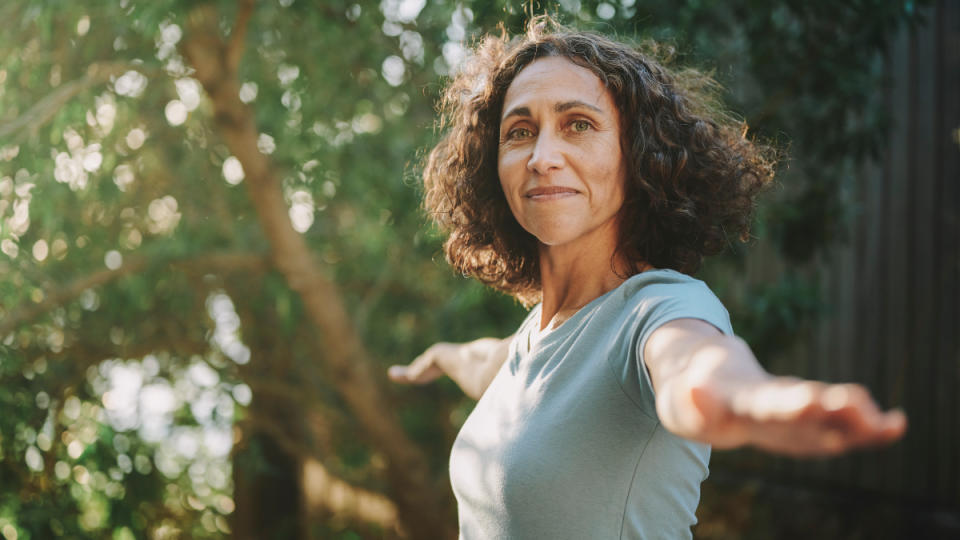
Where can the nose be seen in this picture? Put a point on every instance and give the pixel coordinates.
(546, 155)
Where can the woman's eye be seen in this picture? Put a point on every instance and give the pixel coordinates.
(580, 126)
(519, 133)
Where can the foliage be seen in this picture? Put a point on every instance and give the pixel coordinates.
(141, 312)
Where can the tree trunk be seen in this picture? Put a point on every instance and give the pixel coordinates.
(266, 489)
(215, 62)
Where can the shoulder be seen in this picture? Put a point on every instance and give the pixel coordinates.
(661, 277)
(668, 288)
(654, 298)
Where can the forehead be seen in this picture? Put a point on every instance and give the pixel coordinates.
(556, 79)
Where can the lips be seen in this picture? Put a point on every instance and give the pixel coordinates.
(549, 193)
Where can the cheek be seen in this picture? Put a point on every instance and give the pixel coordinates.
(502, 174)
(612, 184)
(603, 170)
(505, 179)
(507, 172)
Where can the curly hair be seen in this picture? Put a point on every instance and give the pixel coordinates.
(691, 174)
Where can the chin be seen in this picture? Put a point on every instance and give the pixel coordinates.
(553, 232)
(554, 238)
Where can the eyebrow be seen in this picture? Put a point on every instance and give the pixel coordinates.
(558, 108)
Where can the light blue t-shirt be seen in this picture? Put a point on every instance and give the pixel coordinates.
(566, 444)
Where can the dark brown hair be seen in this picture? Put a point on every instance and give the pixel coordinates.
(691, 175)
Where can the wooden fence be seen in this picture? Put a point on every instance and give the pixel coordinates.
(894, 288)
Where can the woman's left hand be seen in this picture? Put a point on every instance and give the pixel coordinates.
(795, 417)
(710, 388)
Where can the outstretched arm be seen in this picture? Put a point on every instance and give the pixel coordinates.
(710, 388)
(471, 365)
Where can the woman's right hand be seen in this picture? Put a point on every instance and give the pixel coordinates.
(427, 367)
(471, 365)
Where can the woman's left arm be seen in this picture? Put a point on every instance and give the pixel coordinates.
(710, 388)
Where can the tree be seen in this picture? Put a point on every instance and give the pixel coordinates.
(212, 248)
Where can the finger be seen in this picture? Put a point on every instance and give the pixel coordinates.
(894, 425)
(859, 432)
(850, 397)
(852, 407)
(398, 374)
(408, 375)
(776, 402)
(421, 371)
(419, 368)
(833, 442)
(827, 434)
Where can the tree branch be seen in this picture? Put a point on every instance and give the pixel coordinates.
(45, 109)
(324, 492)
(238, 35)
(291, 445)
(306, 398)
(54, 298)
(27, 312)
(80, 355)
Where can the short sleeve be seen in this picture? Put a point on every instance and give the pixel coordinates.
(656, 304)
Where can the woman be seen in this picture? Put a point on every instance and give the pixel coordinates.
(582, 176)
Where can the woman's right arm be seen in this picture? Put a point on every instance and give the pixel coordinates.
(471, 365)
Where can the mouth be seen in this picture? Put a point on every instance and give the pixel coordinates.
(549, 193)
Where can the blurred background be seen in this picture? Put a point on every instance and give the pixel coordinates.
(211, 249)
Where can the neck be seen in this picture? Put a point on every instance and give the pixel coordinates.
(573, 276)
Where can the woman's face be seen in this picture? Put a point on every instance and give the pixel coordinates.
(559, 157)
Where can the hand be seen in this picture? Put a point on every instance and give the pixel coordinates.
(471, 365)
(427, 367)
(795, 417)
